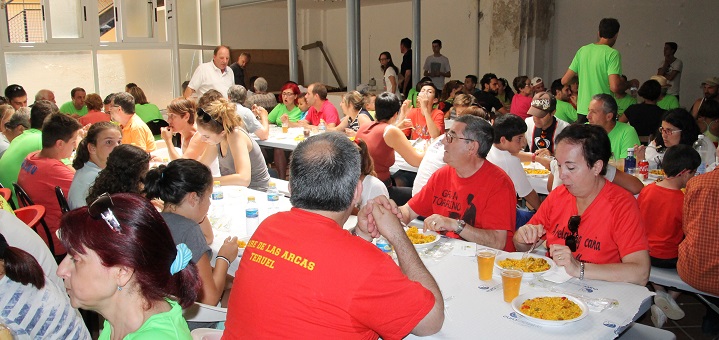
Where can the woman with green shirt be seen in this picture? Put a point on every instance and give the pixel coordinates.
(289, 92)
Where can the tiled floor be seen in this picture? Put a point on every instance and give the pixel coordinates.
(688, 328)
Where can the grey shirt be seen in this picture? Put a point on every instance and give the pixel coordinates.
(260, 177)
(187, 231)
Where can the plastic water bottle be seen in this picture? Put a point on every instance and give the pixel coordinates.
(707, 153)
(383, 245)
(252, 216)
(273, 197)
(322, 126)
(630, 163)
(217, 193)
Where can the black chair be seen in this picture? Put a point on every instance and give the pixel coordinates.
(64, 207)
(155, 126)
(23, 201)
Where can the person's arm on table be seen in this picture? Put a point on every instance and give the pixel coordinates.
(527, 235)
(633, 269)
(213, 279)
(264, 132)
(398, 141)
(300, 123)
(487, 237)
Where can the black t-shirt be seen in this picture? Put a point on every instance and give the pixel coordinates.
(407, 65)
(543, 139)
(239, 73)
(488, 101)
(645, 118)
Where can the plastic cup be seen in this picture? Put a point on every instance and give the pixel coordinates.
(485, 263)
(511, 280)
(285, 128)
(306, 132)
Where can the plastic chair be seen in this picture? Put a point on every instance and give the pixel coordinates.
(155, 125)
(64, 207)
(24, 200)
(6, 193)
(30, 215)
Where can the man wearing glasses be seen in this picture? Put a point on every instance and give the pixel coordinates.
(469, 197)
(134, 130)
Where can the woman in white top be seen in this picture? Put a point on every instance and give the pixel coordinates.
(181, 119)
(390, 72)
(678, 127)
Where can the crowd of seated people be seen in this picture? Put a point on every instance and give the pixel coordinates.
(477, 156)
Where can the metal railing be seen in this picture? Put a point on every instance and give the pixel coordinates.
(25, 23)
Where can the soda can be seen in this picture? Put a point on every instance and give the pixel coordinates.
(644, 169)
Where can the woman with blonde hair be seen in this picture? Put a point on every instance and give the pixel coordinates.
(352, 107)
(181, 119)
(239, 155)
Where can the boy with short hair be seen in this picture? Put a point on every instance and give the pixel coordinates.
(661, 207)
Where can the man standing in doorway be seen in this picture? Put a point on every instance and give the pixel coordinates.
(436, 66)
(598, 65)
(238, 68)
(671, 68)
(212, 75)
(405, 70)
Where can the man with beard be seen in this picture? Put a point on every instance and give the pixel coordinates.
(487, 97)
(711, 91)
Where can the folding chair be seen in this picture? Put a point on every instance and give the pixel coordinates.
(24, 200)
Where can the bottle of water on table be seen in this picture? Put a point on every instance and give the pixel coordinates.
(273, 197)
(706, 150)
(252, 216)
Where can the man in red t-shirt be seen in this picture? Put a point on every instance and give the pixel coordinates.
(43, 170)
(302, 275)
(424, 121)
(469, 196)
(320, 107)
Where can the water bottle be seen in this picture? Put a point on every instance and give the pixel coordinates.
(252, 215)
(630, 163)
(322, 126)
(273, 197)
(217, 193)
(706, 152)
(383, 245)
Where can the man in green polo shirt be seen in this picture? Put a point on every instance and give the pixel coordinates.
(603, 112)
(77, 106)
(29, 141)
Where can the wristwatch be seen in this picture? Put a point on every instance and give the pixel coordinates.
(460, 227)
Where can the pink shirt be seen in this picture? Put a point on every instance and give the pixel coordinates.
(328, 112)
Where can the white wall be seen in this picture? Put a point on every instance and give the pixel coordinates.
(645, 26)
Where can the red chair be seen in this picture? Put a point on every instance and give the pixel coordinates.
(31, 215)
(6, 194)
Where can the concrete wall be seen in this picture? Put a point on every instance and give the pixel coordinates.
(486, 36)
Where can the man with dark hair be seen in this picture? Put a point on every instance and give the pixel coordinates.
(29, 141)
(603, 112)
(341, 284)
(424, 121)
(43, 170)
(624, 100)
(509, 140)
(598, 66)
(212, 75)
(238, 68)
(320, 108)
(443, 200)
(107, 103)
(710, 86)
(563, 93)
(671, 68)
(646, 117)
(470, 85)
(134, 130)
(76, 107)
(405, 70)
(486, 98)
(437, 67)
(16, 96)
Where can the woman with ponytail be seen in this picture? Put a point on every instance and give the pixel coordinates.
(90, 158)
(32, 309)
(122, 263)
(185, 186)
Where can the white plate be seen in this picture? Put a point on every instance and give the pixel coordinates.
(429, 244)
(518, 256)
(517, 303)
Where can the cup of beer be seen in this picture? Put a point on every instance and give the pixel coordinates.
(285, 127)
(511, 280)
(485, 263)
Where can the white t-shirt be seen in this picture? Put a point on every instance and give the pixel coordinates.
(248, 118)
(207, 77)
(513, 167)
(677, 65)
(389, 72)
(432, 161)
(440, 64)
(371, 188)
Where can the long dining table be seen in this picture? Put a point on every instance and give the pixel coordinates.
(473, 308)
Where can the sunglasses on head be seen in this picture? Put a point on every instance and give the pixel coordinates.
(573, 226)
(206, 117)
(101, 208)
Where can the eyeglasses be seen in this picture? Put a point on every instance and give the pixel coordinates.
(14, 88)
(573, 226)
(287, 94)
(101, 208)
(668, 131)
(450, 136)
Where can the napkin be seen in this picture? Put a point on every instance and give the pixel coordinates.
(558, 275)
(465, 249)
